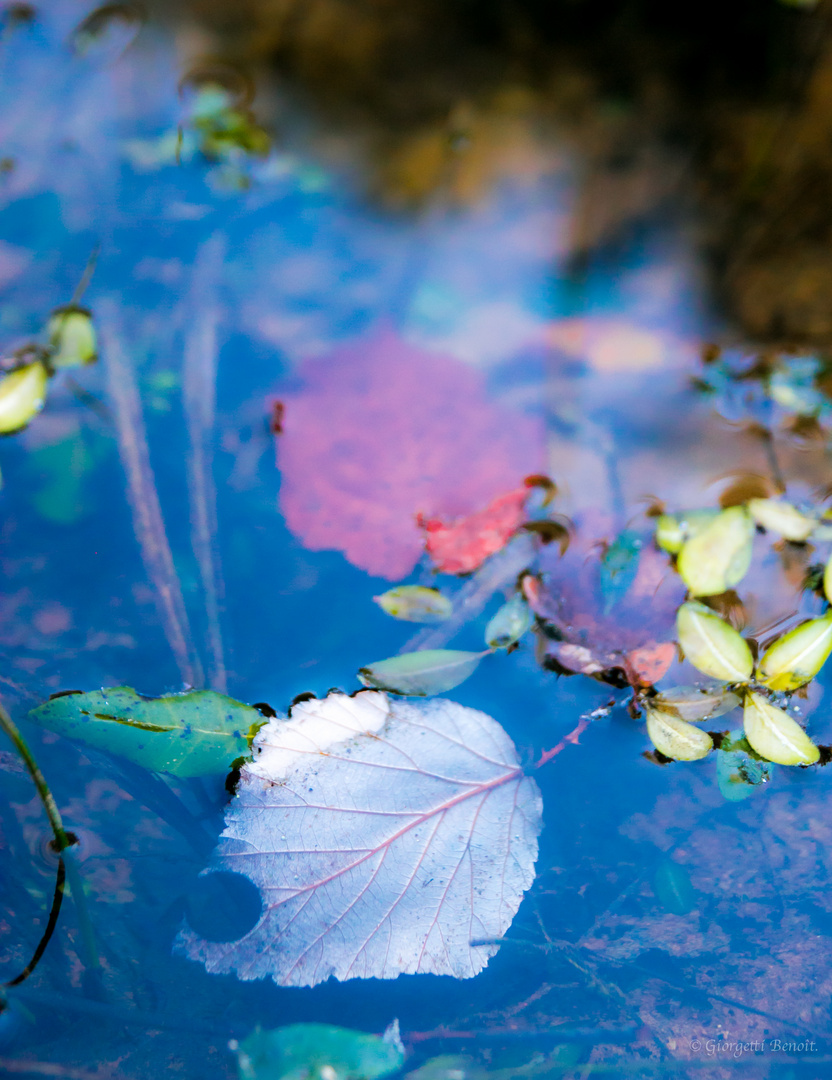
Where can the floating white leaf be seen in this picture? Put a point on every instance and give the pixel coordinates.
(384, 837)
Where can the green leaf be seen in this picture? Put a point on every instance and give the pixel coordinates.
(672, 530)
(782, 518)
(430, 671)
(712, 645)
(415, 603)
(22, 394)
(318, 1052)
(509, 624)
(718, 558)
(798, 656)
(676, 738)
(738, 774)
(775, 735)
(71, 338)
(192, 734)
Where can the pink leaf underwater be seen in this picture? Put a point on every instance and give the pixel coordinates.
(382, 431)
(384, 838)
(458, 547)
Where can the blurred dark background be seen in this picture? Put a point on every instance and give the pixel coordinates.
(719, 113)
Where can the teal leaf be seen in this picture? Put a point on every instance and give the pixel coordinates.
(509, 624)
(619, 566)
(193, 734)
(673, 888)
(737, 773)
(318, 1052)
(421, 674)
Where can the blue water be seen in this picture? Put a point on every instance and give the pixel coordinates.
(661, 912)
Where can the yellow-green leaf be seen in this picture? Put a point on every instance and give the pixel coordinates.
(717, 558)
(415, 603)
(712, 645)
(782, 518)
(71, 338)
(798, 656)
(695, 703)
(672, 530)
(676, 738)
(22, 393)
(774, 735)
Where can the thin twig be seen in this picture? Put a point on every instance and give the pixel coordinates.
(86, 277)
(200, 394)
(148, 523)
(572, 738)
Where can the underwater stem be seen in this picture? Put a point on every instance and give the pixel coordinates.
(62, 841)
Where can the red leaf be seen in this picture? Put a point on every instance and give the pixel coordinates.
(463, 545)
(382, 431)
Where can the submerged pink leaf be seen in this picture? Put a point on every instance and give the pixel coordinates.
(381, 432)
(461, 546)
(384, 837)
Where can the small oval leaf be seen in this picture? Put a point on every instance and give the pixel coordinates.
(712, 645)
(718, 557)
(676, 738)
(22, 393)
(672, 530)
(798, 656)
(737, 774)
(693, 703)
(316, 1052)
(782, 518)
(421, 674)
(415, 603)
(509, 624)
(71, 338)
(774, 735)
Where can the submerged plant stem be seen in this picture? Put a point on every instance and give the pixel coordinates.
(62, 840)
(144, 500)
(200, 395)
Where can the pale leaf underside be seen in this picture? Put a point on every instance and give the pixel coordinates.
(383, 849)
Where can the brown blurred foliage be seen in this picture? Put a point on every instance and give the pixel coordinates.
(723, 108)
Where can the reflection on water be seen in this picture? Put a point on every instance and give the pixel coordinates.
(426, 362)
